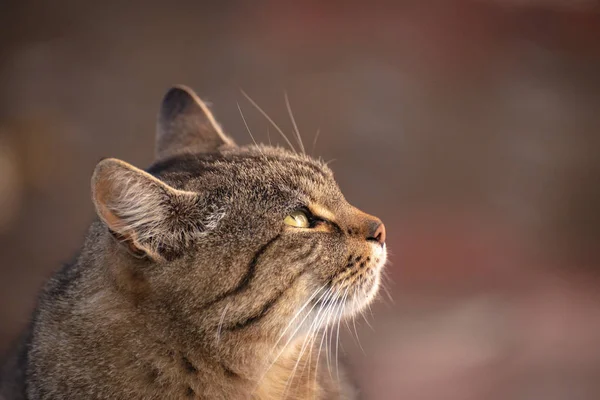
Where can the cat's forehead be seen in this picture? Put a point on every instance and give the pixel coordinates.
(257, 166)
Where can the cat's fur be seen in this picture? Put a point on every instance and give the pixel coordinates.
(190, 285)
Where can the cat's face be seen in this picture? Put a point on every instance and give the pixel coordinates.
(240, 239)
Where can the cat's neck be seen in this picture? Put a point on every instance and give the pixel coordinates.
(171, 357)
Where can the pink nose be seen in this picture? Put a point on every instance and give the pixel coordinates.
(377, 232)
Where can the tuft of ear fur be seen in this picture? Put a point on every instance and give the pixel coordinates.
(185, 124)
(146, 213)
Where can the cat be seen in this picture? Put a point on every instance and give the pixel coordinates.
(209, 275)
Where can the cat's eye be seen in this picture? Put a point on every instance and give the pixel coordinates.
(297, 219)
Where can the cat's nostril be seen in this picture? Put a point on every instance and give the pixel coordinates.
(377, 232)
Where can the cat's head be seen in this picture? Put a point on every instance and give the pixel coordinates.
(234, 238)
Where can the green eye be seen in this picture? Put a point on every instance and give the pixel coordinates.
(297, 219)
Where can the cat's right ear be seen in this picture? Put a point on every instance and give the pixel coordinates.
(185, 124)
(148, 216)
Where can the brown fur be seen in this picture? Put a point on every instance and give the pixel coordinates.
(189, 285)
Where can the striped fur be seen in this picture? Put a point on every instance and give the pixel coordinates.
(206, 293)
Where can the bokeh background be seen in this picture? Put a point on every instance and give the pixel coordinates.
(472, 128)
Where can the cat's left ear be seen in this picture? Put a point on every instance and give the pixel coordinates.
(186, 125)
(150, 217)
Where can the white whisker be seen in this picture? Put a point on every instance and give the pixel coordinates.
(355, 307)
(293, 333)
(389, 296)
(323, 334)
(269, 119)
(289, 108)
(315, 326)
(306, 303)
(315, 140)
(248, 128)
(337, 341)
(307, 340)
(362, 313)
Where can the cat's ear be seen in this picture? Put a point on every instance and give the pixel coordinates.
(147, 215)
(185, 124)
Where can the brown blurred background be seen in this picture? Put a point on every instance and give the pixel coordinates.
(472, 128)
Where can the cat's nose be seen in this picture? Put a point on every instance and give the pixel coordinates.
(376, 232)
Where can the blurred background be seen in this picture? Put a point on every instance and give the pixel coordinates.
(472, 128)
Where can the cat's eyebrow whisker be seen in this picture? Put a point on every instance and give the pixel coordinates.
(315, 140)
(259, 109)
(289, 108)
(248, 128)
(269, 136)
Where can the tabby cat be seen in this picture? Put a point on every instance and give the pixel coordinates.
(210, 275)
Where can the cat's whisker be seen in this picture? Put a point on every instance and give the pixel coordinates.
(221, 323)
(307, 341)
(310, 351)
(320, 321)
(318, 357)
(268, 119)
(330, 161)
(269, 136)
(315, 325)
(329, 332)
(248, 128)
(337, 342)
(363, 314)
(389, 296)
(314, 145)
(285, 346)
(323, 315)
(356, 332)
(370, 310)
(323, 318)
(306, 303)
(384, 282)
(349, 330)
(289, 108)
